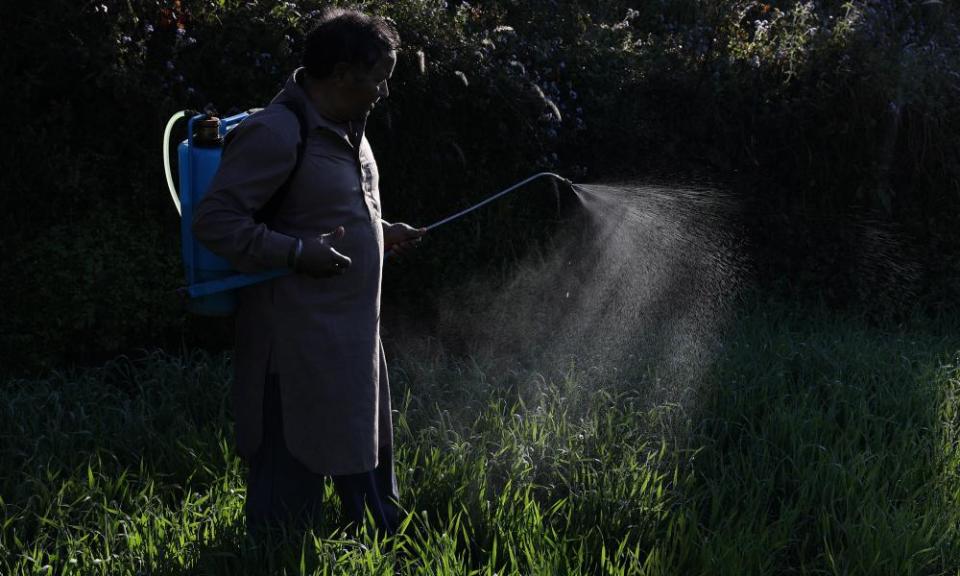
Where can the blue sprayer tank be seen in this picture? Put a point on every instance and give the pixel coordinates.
(199, 157)
(211, 280)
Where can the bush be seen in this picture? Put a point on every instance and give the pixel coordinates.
(834, 110)
(94, 242)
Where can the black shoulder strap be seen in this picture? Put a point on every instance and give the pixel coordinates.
(269, 210)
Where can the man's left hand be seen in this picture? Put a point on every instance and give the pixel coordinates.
(401, 238)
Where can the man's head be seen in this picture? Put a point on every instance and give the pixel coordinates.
(351, 55)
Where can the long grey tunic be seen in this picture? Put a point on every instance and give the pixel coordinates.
(321, 336)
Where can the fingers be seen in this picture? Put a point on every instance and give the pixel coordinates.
(333, 235)
(339, 262)
(408, 232)
(405, 248)
(320, 259)
(412, 232)
(412, 235)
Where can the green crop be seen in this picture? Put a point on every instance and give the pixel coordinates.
(814, 444)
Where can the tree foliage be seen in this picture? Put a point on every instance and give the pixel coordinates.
(823, 114)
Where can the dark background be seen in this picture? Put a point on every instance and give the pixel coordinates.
(834, 125)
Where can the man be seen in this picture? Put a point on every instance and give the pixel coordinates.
(310, 393)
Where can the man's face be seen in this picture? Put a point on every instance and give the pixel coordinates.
(360, 89)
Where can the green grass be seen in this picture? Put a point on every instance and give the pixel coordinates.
(815, 444)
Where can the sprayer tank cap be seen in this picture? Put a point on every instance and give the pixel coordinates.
(208, 132)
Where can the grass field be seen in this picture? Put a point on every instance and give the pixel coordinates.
(815, 443)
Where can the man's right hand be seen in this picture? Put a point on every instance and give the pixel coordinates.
(320, 259)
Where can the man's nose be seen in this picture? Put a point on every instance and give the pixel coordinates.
(383, 90)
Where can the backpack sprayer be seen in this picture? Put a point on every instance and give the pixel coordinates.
(211, 280)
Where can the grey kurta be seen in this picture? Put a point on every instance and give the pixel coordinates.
(320, 336)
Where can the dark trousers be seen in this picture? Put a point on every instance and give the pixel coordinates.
(282, 490)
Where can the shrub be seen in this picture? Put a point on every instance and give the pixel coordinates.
(823, 115)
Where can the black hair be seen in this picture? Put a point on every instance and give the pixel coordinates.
(346, 35)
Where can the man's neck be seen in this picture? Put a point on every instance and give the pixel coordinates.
(318, 93)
